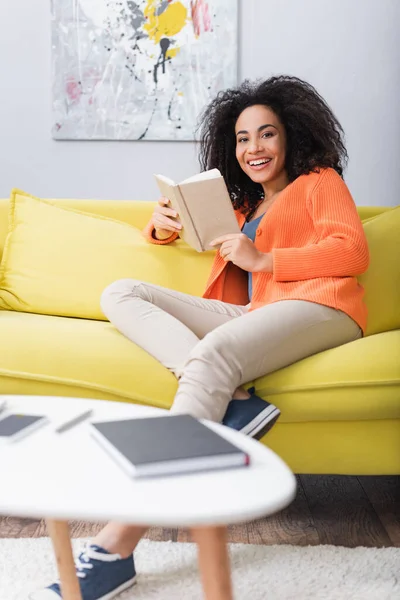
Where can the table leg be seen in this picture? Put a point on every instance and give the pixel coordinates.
(213, 562)
(59, 533)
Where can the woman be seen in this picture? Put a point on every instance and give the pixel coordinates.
(283, 289)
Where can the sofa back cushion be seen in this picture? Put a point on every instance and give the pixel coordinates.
(58, 261)
(133, 212)
(382, 279)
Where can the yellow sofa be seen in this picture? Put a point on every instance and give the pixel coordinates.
(340, 409)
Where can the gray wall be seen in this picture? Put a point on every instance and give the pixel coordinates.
(348, 49)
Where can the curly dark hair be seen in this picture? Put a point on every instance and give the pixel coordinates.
(314, 136)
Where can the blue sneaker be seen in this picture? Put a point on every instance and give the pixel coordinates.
(253, 417)
(102, 576)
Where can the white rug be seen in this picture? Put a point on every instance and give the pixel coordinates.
(167, 571)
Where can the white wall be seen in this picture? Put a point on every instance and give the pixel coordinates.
(348, 49)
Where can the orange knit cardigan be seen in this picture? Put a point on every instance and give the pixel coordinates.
(318, 247)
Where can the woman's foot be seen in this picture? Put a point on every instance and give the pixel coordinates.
(252, 416)
(241, 394)
(101, 576)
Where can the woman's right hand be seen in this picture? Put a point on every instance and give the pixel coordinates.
(165, 220)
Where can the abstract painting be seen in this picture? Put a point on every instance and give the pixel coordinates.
(139, 70)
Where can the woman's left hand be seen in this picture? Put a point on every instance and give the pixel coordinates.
(240, 250)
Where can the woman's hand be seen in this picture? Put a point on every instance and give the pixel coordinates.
(165, 220)
(240, 250)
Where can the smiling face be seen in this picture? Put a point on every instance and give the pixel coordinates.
(261, 145)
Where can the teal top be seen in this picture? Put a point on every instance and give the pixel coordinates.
(249, 229)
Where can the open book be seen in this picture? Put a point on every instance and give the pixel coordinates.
(204, 207)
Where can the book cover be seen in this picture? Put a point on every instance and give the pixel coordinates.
(204, 207)
(166, 445)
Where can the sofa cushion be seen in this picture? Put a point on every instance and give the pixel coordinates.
(133, 212)
(58, 261)
(79, 357)
(382, 279)
(358, 380)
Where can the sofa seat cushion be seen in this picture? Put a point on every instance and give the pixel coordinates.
(92, 359)
(81, 355)
(356, 381)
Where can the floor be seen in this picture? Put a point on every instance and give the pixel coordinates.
(339, 510)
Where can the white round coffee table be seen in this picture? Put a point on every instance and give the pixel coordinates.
(62, 476)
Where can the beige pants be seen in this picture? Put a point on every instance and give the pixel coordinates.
(213, 347)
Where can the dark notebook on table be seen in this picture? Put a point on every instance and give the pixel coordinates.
(168, 445)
